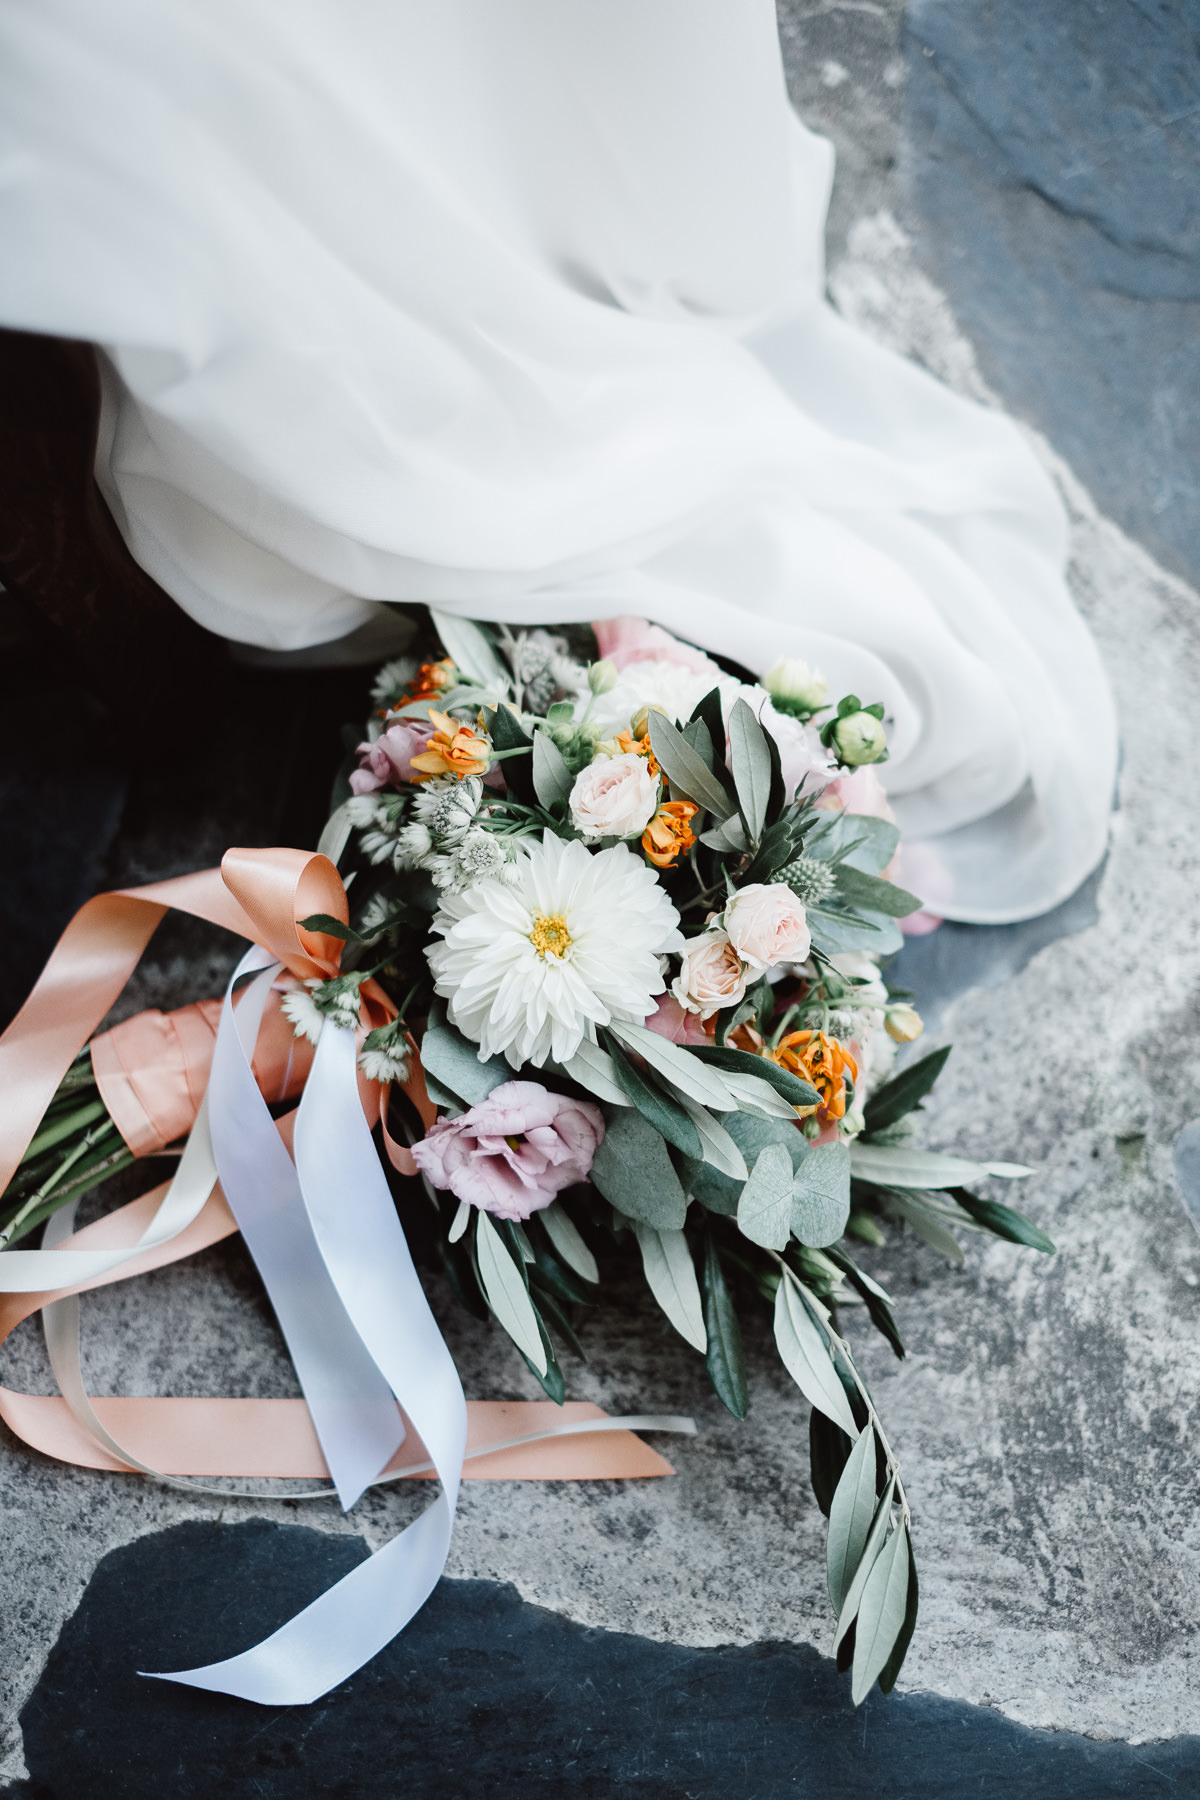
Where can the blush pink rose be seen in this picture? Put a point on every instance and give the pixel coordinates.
(629, 640)
(515, 1151)
(388, 761)
(713, 975)
(767, 925)
(615, 796)
(679, 1027)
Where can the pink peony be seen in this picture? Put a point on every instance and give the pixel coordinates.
(628, 640)
(767, 925)
(679, 1027)
(515, 1151)
(388, 761)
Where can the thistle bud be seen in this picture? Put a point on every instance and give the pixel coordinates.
(792, 684)
(602, 677)
(904, 1023)
(859, 738)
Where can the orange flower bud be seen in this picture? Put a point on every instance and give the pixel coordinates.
(822, 1062)
(669, 833)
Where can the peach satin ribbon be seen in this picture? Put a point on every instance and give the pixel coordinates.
(260, 895)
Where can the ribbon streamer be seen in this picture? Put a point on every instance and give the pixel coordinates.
(320, 1225)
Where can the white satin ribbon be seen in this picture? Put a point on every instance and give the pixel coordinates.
(347, 1222)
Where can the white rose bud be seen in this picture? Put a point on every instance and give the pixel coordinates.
(713, 975)
(602, 677)
(615, 796)
(859, 738)
(904, 1023)
(792, 679)
(767, 925)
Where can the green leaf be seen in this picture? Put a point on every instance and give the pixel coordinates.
(725, 1360)
(730, 835)
(633, 1171)
(675, 1065)
(331, 927)
(507, 732)
(1003, 1222)
(828, 1451)
(671, 1278)
(895, 1661)
(719, 1150)
(751, 763)
(821, 1195)
(563, 1233)
(335, 833)
(720, 1194)
(925, 1222)
(684, 768)
(471, 650)
(880, 1614)
(834, 932)
(453, 1061)
(904, 1091)
(871, 893)
(805, 1354)
(765, 1209)
(874, 1544)
(661, 1110)
(709, 709)
(795, 1091)
(879, 1303)
(552, 780)
(756, 1096)
(593, 1069)
(777, 847)
(898, 1166)
(879, 841)
(507, 1294)
(850, 1518)
(697, 734)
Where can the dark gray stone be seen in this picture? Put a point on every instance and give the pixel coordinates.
(485, 1695)
(1052, 170)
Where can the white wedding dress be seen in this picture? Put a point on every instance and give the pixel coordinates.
(516, 307)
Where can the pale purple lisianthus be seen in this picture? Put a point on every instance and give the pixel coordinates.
(515, 1151)
(388, 761)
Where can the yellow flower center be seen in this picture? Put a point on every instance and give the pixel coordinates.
(550, 936)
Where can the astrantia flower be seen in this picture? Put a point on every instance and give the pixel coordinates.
(531, 965)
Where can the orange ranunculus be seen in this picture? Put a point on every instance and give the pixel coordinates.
(823, 1062)
(431, 678)
(453, 749)
(669, 833)
(634, 746)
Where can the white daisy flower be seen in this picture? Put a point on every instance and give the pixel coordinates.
(569, 940)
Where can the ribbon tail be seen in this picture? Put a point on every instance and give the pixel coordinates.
(363, 1245)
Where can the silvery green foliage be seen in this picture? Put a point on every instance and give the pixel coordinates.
(809, 879)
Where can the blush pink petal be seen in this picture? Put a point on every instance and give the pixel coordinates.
(679, 1027)
(515, 1151)
(628, 640)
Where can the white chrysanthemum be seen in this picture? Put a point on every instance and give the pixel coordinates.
(532, 965)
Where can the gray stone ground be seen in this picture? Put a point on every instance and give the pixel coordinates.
(1047, 1414)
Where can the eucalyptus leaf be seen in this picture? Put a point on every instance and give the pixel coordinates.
(835, 932)
(724, 1358)
(765, 1209)
(459, 1223)
(552, 780)
(593, 1069)
(880, 1614)
(507, 1294)
(805, 1354)
(671, 1278)
(471, 649)
(685, 768)
(821, 1195)
(874, 841)
(1002, 1221)
(564, 1234)
(729, 835)
(866, 1562)
(897, 1097)
(719, 1150)
(872, 893)
(453, 1061)
(677, 1066)
(896, 1165)
(925, 1222)
(895, 1662)
(663, 1111)
(750, 761)
(631, 1168)
(850, 1516)
(723, 1057)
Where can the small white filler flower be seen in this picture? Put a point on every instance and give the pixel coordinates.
(530, 967)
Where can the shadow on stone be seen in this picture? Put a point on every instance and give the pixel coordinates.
(485, 1695)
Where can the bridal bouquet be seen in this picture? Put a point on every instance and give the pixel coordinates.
(623, 914)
